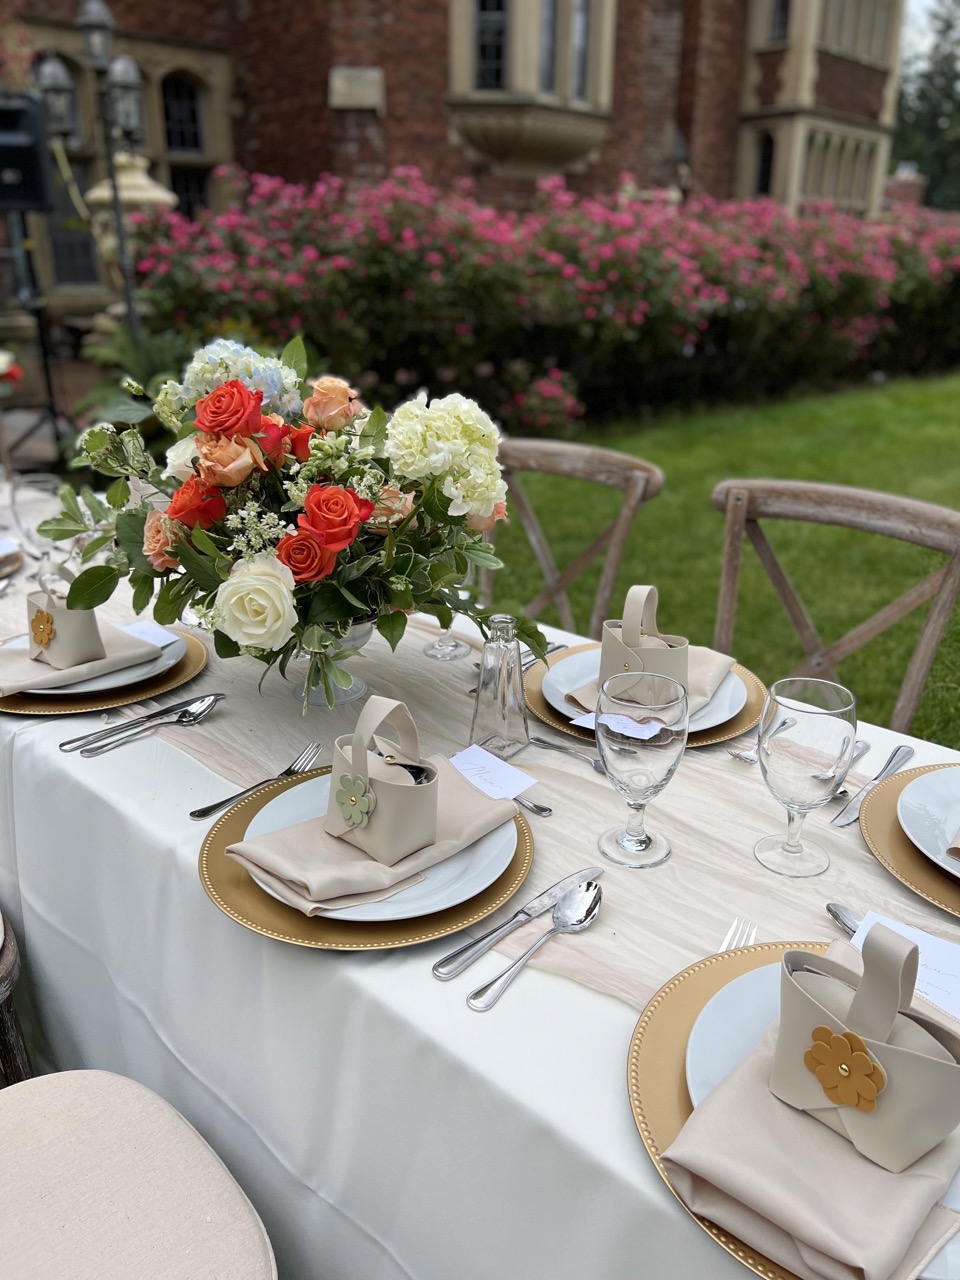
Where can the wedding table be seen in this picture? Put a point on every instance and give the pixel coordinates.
(382, 1129)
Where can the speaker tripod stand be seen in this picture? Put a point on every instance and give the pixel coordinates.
(48, 414)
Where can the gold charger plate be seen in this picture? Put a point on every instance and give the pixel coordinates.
(235, 893)
(656, 1068)
(893, 848)
(747, 718)
(190, 665)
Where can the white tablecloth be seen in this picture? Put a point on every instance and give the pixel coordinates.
(382, 1129)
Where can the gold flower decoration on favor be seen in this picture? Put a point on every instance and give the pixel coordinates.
(355, 800)
(847, 1074)
(41, 624)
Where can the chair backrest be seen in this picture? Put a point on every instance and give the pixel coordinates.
(638, 480)
(747, 502)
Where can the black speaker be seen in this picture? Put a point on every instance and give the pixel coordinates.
(24, 156)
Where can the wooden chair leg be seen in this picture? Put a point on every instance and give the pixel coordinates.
(14, 1059)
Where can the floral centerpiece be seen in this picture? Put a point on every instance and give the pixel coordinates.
(287, 513)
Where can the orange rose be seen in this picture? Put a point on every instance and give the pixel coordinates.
(273, 437)
(332, 404)
(227, 461)
(306, 558)
(159, 535)
(196, 503)
(333, 515)
(230, 410)
(300, 442)
(485, 523)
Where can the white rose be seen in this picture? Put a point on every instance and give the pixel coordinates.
(255, 605)
(180, 458)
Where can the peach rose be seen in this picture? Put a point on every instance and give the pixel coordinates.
(159, 535)
(333, 515)
(332, 404)
(392, 506)
(227, 461)
(306, 558)
(229, 410)
(483, 524)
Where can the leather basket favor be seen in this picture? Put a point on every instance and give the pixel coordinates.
(60, 636)
(856, 1052)
(633, 643)
(383, 796)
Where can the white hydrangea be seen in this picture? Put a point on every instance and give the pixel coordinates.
(217, 363)
(454, 441)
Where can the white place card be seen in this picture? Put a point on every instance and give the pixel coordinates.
(491, 775)
(939, 977)
(146, 629)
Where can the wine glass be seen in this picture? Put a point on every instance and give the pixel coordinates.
(806, 740)
(446, 647)
(641, 733)
(33, 498)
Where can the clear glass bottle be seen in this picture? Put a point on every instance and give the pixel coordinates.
(500, 712)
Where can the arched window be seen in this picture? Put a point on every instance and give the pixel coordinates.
(765, 164)
(181, 114)
(491, 44)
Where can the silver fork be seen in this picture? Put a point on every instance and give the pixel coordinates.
(570, 751)
(302, 763)
(742, 933)
(752, 755)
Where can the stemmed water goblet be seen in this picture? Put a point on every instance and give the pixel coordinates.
(806, 740)
(641, 728)
(33, 498)
(446, 647)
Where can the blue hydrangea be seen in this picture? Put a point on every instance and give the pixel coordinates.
(218, 362)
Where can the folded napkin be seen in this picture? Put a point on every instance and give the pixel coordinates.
(800, 1193)
(706, 673)
(316, 872)
(18, 671)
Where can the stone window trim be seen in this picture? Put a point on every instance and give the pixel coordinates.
(523, 129)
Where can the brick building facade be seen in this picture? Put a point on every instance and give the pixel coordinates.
(727, 97)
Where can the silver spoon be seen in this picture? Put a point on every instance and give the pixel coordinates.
(570, 751)
(576, 910)
(193, 714)
(541, 810)
(753, 754)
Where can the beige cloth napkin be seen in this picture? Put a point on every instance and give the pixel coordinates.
(706, 672)
(316, 872)
(18, 671)
(800, 1193)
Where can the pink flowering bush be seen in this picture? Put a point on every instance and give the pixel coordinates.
(611, 302)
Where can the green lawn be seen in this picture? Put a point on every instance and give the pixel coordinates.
(901, 437)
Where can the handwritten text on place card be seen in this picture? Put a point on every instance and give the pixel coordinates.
(491, 775)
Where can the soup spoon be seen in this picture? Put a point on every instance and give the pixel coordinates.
(193, 714)
(576, 910)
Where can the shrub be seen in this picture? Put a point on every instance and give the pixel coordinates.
(614, 301)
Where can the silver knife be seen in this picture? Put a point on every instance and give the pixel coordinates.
(848, 920)
(458, 960)
(851, 810)
(100, 735)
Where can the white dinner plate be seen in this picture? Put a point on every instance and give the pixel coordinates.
(579, 668)
(168, 657)
(730, 1024)
(447, 884)
(929, 812)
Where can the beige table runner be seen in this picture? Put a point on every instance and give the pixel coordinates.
(653, 922)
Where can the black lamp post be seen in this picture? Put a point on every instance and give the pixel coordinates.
(118, 105)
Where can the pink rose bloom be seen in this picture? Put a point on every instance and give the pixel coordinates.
(226, 461)
(391, 507)
(159, 533)
(332, 404)
(483, 524)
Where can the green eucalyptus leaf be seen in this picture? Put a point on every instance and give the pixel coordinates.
(130, 526)
(59, 527)
(92, 587)
(202, 569)
(392, 626)
(118, 494)
(143, 585)
(294, 356)
(94, 546)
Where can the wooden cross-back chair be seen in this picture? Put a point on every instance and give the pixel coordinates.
(638, 480)
(747, 502)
